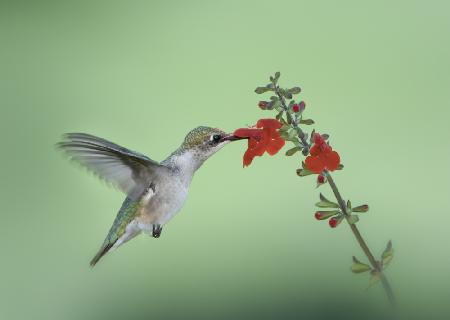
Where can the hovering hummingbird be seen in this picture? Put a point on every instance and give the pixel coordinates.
(155, 191)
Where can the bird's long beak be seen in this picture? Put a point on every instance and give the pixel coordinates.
(231, 137)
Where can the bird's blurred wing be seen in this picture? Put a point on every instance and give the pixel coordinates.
(129, 171)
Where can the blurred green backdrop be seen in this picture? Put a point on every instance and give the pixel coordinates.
(375, 75)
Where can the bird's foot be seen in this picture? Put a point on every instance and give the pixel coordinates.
(156, 232)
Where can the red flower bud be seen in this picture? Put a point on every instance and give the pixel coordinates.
(320, 179)
(302, 105)
(296, 108)
(333, 222)
(262, 105)
(322, 215)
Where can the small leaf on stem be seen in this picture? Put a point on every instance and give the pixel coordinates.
(363, 208)
(374, 278)
(292, 151)
(307, 122)
(325, 203)
(353, 219)
(294, 90)
(359, 267)
(388, 254)
(304, 172)
(260, 90)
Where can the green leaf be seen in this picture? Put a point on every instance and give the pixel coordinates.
(285, 128)
(374, 278)
(363, 208)
(312, 136)
(340, 167)
(353, 219)
(304, 172)
(359, 267)
(275, 104)
(277, 76)
(292, 134)
(325, 136)
(260, 90)
(285, 94)
(325, 203)
(349, 205)
(322, 204)
(278, 117)
(294, 90)
(307, 122)
(292, 151)
(388, 254)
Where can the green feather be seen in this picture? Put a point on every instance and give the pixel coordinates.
(126, 214)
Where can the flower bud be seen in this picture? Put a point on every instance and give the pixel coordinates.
(263, 105)
(363, 208)
(296, 108)
(302, 105)
(335, 221)
(322, 215)
(321, 179)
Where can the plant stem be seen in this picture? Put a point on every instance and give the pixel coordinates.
(292, 122)
(375, 264)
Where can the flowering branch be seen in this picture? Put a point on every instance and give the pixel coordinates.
(270, 135)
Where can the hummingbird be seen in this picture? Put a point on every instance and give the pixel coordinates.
(155, 192)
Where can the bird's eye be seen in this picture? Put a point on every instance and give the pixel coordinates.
(216, 138)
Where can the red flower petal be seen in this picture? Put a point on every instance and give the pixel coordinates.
(315, 150)
(315, 164)
(318, 139)
(333, 160)
(269, 123)
(248, 157)
(248, 132)
(275, 146)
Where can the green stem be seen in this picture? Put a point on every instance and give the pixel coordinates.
(292, 122)
(375, 264)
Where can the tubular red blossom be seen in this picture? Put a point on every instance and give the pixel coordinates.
(263, 138)
(322, 156)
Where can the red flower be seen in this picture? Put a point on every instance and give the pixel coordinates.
(322, 156)
(263, 138)
(296, 108)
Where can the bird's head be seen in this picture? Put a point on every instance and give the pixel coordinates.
(205, 141)
(200, 144)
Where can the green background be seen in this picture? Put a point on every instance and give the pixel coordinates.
(375, 75)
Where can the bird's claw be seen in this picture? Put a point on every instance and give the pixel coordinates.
(156, 232)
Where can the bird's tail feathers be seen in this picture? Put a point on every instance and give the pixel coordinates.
(103, 250)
